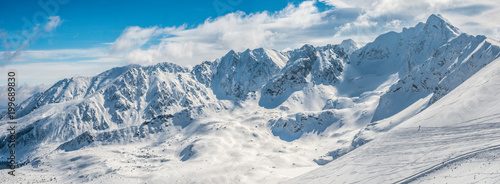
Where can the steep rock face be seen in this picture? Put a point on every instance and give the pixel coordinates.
(204, 72)
(240, 73)
(449, 66)
(292, 127)
(402, 52)
(307, 65)
(237, 74)
(294, 74)
(385, 47)
(461, 63)
(327, 69)
(436, 32)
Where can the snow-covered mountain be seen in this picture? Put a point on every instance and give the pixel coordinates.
(254, 116)
(455, 140)
(237, 74)
(456, 58)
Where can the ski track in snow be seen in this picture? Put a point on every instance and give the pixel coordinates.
(446, 163)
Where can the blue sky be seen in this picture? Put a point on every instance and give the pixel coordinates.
(88, 24)
(64, 38)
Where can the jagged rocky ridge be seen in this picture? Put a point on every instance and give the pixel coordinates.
(116, 104)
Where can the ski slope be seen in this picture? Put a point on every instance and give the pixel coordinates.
(472, 154)
(458, 141)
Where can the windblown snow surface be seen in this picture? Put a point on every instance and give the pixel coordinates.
(327, 114)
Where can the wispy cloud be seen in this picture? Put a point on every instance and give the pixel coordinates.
(51, 25)
(54, 22)
(134, 37)
(60, 55)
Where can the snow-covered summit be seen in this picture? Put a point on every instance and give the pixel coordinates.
(437, 23)
(349, 46)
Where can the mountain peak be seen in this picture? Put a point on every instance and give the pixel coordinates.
(348, 42)
(436, 18)
(436, 21)
(349, 45)
(231, 52)
(307, 47)
(230, 56)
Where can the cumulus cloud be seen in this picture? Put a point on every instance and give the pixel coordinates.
(54, 22)
(216, 36)
(296, 25)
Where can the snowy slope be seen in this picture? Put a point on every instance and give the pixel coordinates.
(464, 121)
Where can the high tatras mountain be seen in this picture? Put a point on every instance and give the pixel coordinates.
(256, 116)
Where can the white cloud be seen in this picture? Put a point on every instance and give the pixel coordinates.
(54, 22)
(215, 37)
(379, 16)
(296, 25)
(134, 37)
(23, 92)
(49, 66)
(59, 55)
(287, 29)
(51, 72)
